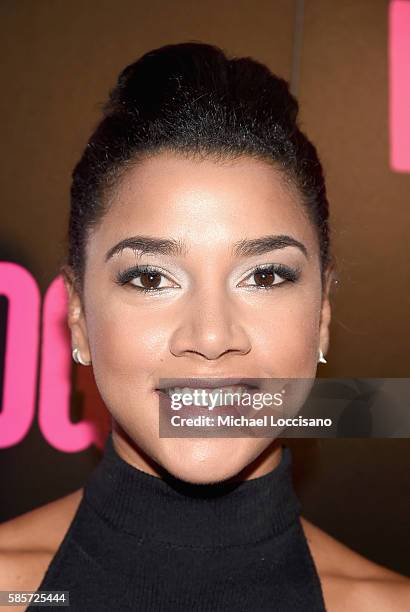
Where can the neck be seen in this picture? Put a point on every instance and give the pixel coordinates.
(168, 509)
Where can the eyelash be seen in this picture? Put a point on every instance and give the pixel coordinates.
(289, 274)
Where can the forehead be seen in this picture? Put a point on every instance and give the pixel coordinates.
(203, 201)
(168, 178)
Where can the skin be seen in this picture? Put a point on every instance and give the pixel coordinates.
(207, 324)
(213, 320)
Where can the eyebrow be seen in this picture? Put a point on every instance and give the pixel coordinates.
(177, 248)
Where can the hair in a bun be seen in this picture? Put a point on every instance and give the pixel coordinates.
(191, 98)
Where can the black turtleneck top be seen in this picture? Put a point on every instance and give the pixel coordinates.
(143, 543)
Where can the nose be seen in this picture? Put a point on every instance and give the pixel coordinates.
(209, 326)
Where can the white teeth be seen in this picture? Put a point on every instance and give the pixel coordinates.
(200, 399)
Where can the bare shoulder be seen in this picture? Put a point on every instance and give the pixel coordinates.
(29, 542)
(350, 581)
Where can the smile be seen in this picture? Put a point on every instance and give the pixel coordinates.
(203, 396)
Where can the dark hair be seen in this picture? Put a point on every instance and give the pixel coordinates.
(192, 99)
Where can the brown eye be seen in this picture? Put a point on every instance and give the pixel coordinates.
(141, 278)
(272, 276)
(150, 278)
(265, 278)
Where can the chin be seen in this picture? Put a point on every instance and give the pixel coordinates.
(205, 460)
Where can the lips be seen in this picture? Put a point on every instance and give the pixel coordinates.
(194, 410)
(206, 383)
(204, 407)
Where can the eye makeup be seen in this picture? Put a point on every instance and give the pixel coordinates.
(266, 273)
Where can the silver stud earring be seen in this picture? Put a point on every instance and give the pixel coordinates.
(77, 357)
(321, 357)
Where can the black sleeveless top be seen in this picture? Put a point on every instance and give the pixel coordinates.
(143, 543)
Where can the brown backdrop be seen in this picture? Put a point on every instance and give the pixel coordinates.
(59, 60)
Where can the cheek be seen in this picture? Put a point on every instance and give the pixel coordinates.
(126, 349)
(125, 345)
(287, 337)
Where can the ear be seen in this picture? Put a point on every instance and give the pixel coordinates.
(326, 311)
(76, 316)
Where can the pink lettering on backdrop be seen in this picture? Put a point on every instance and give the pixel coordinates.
(21, 356)
(399, 84)
(55, 378)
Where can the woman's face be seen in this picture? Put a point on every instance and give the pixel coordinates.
(210, 317)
